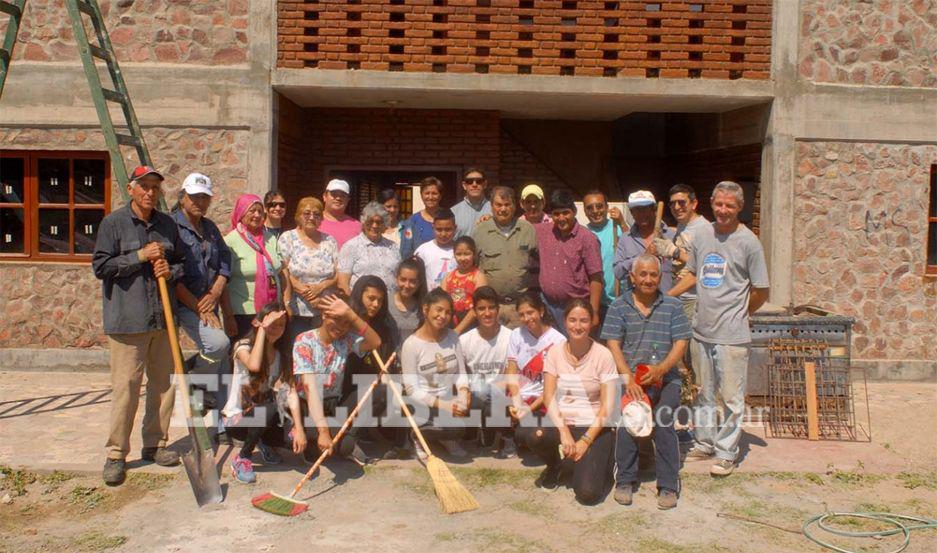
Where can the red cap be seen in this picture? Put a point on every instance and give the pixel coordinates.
(143, 171)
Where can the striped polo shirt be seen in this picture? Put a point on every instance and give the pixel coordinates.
(638, 334)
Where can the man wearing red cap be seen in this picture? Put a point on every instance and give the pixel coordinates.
(136, 245)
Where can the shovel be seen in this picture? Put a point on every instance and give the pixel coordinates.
(199, 461)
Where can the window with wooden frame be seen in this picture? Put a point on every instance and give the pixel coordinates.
(932, 224)
(52, 203)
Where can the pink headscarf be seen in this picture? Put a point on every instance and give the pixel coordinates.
(265, 280)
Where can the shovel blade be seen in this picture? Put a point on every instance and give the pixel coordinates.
(203, 476)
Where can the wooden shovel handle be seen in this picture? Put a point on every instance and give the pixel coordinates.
(403, 405)
(174, 344)
(341, 431)
(658, 218)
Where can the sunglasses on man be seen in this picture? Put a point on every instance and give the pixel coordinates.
(474, 180)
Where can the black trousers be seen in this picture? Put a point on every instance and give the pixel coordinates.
(262, 422)
(590, 474)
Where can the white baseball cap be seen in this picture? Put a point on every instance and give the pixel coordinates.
(641, 198)
(197, 183)
(338, 184)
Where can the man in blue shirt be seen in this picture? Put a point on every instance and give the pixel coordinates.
(606, 225)
(640, 239)
(202, 288)
(474, 206)
(646, 327)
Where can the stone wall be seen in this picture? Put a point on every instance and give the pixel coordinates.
(212, 32)
(869, 42)
(860, 221)
(53, 305)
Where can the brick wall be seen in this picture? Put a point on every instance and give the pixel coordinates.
(396, 138)
(883, 43)
(678, 38)
(212, 32)
(519, 167)
(704, 169)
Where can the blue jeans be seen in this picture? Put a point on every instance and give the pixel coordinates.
(667, 455)
(721, 370)
(212, 359)
(556, 312)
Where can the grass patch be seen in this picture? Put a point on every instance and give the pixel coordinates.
(97, 541)
(54, 480)
(914, 480)
(528, 508)
(86, 498)
(654, 545)
(446, 536)
(490, 477)
(417, 481)
(149, 482)
(15, 481)
(618, 523)
(496, 539)
(853, 477)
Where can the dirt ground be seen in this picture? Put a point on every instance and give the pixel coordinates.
(391, 506)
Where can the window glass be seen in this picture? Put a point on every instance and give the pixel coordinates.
(53, 181)
(12, 230)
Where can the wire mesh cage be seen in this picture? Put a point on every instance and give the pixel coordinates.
(787, 390)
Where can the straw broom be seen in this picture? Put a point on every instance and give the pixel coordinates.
(277, 504)
(453, 497)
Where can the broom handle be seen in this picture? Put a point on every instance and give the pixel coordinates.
(174, 343)
(341, 431)
(403, 405)
(615, 229)
(658, 218)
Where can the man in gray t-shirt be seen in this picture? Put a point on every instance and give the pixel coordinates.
(727, 264)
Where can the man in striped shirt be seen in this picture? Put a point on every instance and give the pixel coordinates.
(646, 327)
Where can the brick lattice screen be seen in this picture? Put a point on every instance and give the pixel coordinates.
(721, 39)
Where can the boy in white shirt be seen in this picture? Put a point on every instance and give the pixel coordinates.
(486, 351)
(438, 254)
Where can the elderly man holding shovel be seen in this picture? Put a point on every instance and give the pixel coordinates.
(136, 245)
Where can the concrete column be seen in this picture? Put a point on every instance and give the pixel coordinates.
(777, 178)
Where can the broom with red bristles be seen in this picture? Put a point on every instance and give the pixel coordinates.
(287, 506)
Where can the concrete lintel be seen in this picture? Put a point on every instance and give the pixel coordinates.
(162, 95)
(873, 114)
(530, 96)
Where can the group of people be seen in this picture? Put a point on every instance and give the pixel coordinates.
(510, 330)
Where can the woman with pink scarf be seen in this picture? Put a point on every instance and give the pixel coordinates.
(255, 263)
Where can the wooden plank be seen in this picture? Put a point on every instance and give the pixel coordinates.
(810, 381)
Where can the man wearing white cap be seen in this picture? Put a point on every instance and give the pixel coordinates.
(640, 240)
(207, 268)
(335, 222)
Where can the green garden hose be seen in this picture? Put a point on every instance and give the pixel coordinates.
(903, 524)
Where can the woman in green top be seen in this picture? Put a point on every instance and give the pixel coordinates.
(255, 264)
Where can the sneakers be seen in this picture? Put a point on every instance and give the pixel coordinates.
(508, 449)
(624, 495)
(454, 448)
(243, 470)
(269, 455)
(722, 467)
(115, 471)
(161, 456)
(421, 454)
(698, 454)
(549, 479)
(666, 499)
